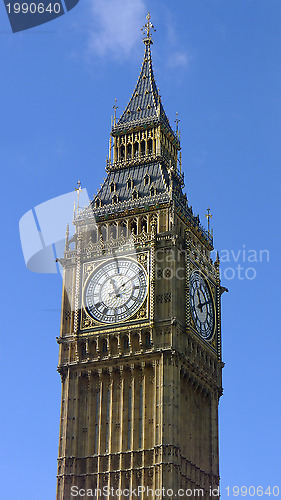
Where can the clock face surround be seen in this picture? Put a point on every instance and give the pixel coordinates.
(115, 290)
(202, 308)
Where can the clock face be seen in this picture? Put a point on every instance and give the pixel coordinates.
(115, 290)
(202, 308)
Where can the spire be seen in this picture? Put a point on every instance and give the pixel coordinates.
(145, 106)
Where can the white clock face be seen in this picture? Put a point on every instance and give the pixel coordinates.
(202, 308)
(115, 290)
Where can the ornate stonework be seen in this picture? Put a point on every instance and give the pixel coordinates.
(140, 395)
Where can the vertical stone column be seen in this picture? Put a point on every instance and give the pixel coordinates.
(214, 438)
(126, 145)
(218, 305)
(101, 384)
(152, 272)
(134, 412)
(110, 426)
(62, 437)
(121, 403)
(187, 279)
(158, 141)
(88, 426)
(145, 444)
(158, 422)
(77, 299)
(74, 394)
(114, 149)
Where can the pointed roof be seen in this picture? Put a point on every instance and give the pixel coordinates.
(145, 101)
(145, 106)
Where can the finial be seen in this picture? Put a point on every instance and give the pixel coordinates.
(177, 123)
(217, 262)
(67, 238)
(208, 217)
(78, 190)
(147, 30)
(115, 107)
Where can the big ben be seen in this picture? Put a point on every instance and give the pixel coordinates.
(140, 340)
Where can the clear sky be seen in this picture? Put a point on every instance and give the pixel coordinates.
(218, 63)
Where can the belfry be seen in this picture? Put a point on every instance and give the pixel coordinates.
(140, 340)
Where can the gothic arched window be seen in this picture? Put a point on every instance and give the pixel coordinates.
(123, 228)
(129, 183)
(113, 231)
(144, 225)
(147, 340)
(135, 194)
(142, 147)
(136, 149)
(133, 227)
(126, 343)
(146, 179)
(122, 152)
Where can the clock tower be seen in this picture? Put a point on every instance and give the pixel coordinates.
(140, 340)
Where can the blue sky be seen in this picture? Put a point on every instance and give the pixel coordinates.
(218, 63)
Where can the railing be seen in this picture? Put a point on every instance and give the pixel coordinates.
(113, 244)
(91, 213)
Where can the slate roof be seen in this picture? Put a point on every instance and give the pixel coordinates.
(144, 104)
(158, 178)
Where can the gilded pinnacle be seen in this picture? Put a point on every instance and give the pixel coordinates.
(208, 217)
(78, 189)
(115, 107)
(147, 30)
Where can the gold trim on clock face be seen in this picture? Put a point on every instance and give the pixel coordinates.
(115, 290)
(202, 307)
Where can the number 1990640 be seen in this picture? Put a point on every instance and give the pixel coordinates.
(252, 491)
(33, 8)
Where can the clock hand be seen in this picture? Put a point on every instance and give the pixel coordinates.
(115, 288)
(204, 303)
(199, 298)
(130, 279)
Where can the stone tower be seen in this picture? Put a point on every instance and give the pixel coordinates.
(140, 341)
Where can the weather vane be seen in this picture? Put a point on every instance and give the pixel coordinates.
(208, 216)
(148, 27)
